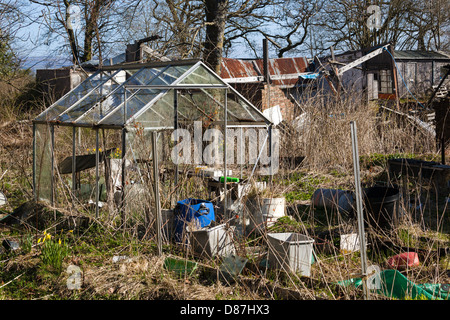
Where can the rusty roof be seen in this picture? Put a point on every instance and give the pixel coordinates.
(283, 71)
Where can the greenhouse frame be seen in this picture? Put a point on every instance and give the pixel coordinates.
(145, 97)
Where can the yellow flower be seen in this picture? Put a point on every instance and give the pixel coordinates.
(59, 241)
(39, 240)
(48, 236)
(71, 231)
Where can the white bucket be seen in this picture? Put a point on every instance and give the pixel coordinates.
(266, 213)
(272, 209)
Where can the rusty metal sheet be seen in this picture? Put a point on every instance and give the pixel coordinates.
(283, 71)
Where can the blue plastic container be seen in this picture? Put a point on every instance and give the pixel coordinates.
(187, 211)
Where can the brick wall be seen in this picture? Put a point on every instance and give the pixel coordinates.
(57, 82)
(278, 97)
(256, 93)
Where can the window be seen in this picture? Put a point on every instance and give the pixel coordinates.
(385, 81)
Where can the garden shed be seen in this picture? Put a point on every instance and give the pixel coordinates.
(122, 118)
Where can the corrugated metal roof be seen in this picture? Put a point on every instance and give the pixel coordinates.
(283, 71)
(418, 54)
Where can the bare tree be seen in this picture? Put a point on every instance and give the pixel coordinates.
(408, 24)
(96, 19)
(11, 21)
(427, 25)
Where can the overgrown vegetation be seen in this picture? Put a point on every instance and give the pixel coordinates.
(116, 256)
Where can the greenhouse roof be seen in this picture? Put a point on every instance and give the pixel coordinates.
(125, 95)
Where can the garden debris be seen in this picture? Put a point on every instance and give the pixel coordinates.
(2, 199)
(349, 243)
(393, 284)
(116, 259)
(10, 245)
(232, 267)
(404, 260)
(31, 213)
(180, 266)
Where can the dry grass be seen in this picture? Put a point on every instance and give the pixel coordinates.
(326, 144)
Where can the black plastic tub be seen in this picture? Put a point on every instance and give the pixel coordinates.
(381, 207)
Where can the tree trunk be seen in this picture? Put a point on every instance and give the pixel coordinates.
(71, 34)
(216, 12)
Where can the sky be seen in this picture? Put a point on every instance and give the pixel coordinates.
(37, 52)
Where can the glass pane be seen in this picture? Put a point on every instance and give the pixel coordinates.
(201, 105)
(73, 96)
(43, 157)
(174, 72)
(135, 103)
(201, 76)
(239, 110)
(140, 98)
(90, 101)
(116, 98)
(160, 115)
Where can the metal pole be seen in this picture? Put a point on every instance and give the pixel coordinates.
(52, 141)
(362, 239)
(270, 154)
(225, 156)
(97, 156)
(175, 127)
(122, 204)
(34, 162)
(74, 165)
(241, 150)
(156, 188)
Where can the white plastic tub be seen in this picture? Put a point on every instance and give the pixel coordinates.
(265, 213)
(213, 241)
(291, 252)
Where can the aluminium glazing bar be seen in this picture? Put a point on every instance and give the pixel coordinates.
(68, 93)
(107, 95)
(149, 105)
(178, 86)
(88, 94)
(134, 93)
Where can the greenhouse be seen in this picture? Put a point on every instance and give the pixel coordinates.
(122, 119)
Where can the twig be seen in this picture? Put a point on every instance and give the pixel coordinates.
(12, 280)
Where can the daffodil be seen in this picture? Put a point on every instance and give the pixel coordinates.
(39, 240)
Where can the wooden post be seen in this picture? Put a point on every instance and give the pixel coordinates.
(394, 77)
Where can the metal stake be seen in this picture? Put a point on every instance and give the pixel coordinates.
(225, 156)
(175, 127)
(52, 141)
(34, 163)
(97, 156)
(74, 166)
(359, 207)
(156, 188)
